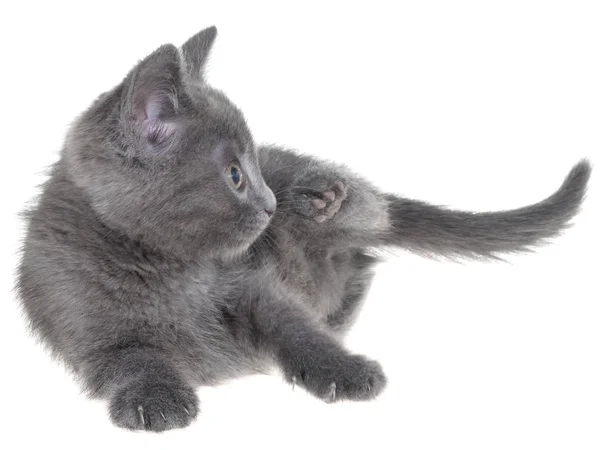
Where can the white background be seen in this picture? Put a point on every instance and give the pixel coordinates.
(476, 105)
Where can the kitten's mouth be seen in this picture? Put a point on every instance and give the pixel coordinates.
(260, 229)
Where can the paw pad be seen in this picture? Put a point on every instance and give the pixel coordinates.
(327, 203)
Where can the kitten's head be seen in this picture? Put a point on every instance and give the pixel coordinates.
(169, 160)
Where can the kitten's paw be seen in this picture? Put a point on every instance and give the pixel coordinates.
(323, 203)
(353, 378)
(153, 406)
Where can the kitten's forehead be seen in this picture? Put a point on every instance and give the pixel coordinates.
(229, 120)
(252, 168)
(217, 101)
(204, 95)
(228, 148)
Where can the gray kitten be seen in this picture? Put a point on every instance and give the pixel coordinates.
(155, 260)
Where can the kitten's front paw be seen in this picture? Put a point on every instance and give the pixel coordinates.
(353, 378)
(323, 203)
(153, 406)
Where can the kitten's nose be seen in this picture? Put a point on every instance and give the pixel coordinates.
(269, 202)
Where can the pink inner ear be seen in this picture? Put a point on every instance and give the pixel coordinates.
(153, 108)
(158, 131)
(154, 128)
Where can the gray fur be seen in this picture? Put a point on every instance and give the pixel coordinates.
(149, 274)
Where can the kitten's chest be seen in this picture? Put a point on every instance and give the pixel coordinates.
(199, 291)
(185, 299)
(197, 302)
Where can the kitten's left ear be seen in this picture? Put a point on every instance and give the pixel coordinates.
(196, 50)
(154, 96)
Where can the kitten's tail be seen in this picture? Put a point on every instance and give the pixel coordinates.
(431, 230)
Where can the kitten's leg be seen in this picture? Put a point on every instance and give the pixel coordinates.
(145, 392)
(311, 357)
(354, 293)
(323, 201)
(316, 196)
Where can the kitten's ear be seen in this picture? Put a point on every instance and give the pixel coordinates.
(196, 51)
(151, 109)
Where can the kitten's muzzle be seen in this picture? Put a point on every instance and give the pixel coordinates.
(269, 203)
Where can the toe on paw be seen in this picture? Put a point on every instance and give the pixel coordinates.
(328, 195)
(318, 203)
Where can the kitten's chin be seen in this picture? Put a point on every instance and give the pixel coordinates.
(239, 247)
(232, 253)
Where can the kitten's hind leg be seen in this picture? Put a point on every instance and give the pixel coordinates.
(355, 291)
(145, 392)
(320, 199)
(324, 202)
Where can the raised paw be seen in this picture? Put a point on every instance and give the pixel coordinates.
(323, 204)
(153, 406)
(352, 378)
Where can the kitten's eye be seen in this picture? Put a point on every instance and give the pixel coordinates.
(236, 177)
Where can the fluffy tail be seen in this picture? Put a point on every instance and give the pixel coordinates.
(432, 230)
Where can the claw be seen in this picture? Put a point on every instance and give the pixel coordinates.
(320, 219)
(331, 397)
(140, 410)
(293, 382)
(186, 410)
(163, 416)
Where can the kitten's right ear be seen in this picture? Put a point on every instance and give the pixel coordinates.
(151, 108)
(196, 50)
